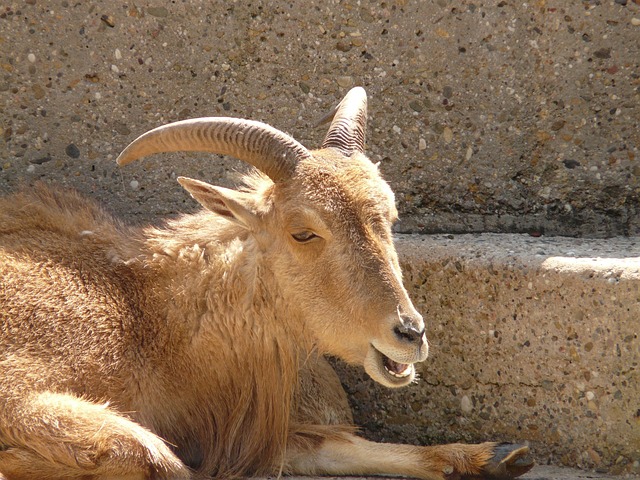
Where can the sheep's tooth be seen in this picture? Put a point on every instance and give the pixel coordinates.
(405, 373)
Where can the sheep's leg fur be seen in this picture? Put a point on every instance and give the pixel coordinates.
(321, 398)
(347, 454)
(334, 450)
(54, 436)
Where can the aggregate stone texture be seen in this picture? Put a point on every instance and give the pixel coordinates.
(532, 340)
(502, 116)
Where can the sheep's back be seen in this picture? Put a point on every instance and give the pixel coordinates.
(70, 311)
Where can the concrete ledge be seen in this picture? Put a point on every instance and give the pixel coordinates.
(532, 339)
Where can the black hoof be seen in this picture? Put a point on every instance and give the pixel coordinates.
(509, 461)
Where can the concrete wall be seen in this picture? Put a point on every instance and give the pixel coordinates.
(498, 116)
(487, 116)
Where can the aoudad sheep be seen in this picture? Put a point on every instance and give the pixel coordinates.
(196, 349)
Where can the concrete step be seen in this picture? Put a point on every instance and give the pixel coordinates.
(532, 340)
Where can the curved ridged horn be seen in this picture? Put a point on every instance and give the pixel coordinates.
(273, 152)
(347, 130)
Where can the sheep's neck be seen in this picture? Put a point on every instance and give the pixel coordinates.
(240, 354)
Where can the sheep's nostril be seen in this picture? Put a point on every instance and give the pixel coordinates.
(409, 333)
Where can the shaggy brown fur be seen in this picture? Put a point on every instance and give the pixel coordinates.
(195, 349)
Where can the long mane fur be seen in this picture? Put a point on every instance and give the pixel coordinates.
(234, 356)
(250, 397)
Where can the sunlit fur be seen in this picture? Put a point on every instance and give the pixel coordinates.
(207, 332)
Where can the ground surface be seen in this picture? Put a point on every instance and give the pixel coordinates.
(538, 473)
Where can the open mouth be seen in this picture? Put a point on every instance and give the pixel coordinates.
(398, 370)
(386, 371)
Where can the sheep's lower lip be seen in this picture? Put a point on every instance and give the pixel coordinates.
(386, 371)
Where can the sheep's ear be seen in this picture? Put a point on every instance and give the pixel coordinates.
(236, 206)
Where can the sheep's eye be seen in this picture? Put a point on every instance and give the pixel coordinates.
(304, 236)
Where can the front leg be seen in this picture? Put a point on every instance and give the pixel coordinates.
(48, 435)
(347, 454)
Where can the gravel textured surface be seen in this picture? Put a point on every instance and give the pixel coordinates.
(486, 116)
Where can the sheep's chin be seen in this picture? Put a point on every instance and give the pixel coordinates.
(387, 372)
